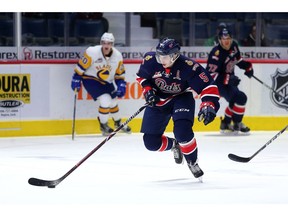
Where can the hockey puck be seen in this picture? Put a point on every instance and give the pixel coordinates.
(51, 186)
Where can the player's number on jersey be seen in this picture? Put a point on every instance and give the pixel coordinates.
(204, 77)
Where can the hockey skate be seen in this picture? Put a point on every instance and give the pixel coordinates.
(178, 156)
(226, 127)
(105, 129)
(196, 170)
(240, 126)
(125, 129)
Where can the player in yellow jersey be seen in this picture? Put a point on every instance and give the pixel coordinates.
(102, 73)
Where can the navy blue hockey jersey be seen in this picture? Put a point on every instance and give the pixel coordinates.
(221, 63)
(185, 75)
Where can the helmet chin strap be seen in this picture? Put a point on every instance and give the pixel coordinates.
(174, 58)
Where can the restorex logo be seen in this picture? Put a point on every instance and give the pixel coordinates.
(30, 54)
(280, 87)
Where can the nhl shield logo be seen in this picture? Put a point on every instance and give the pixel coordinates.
(280, 86)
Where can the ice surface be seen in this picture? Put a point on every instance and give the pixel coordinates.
(123, 178)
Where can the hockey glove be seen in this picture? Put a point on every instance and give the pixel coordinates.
(121, 88)
(234, 80)
(249, 73)
(76, 82)
(150, 96)
(207, 112)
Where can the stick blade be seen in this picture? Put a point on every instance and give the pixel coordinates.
(238, 158)
(43, 183)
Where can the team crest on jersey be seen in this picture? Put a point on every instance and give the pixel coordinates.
(280, 86)
(167, 88)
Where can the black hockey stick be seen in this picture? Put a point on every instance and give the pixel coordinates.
(74, 114)
(267, 86)
(247, 159)
(54, 183)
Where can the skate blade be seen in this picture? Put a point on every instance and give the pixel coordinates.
(229, 132)
(234, 133)
(243, 132)
(200, 179)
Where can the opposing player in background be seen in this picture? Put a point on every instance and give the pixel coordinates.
(168, 79)
(102, 72)
(221, 64)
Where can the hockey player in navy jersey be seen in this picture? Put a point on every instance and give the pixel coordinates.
(168, 79)
(221, 63)
(102, 72)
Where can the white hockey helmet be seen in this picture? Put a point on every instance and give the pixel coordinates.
(108, 37)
